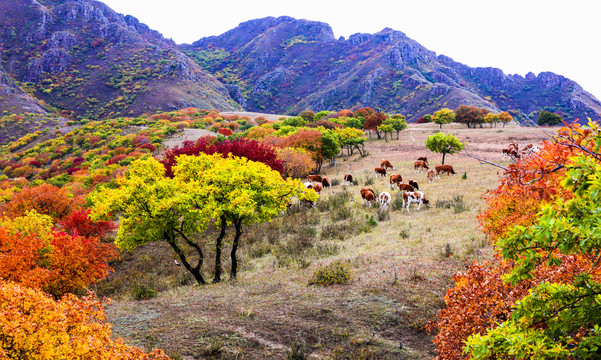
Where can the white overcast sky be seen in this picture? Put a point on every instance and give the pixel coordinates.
(517, 36)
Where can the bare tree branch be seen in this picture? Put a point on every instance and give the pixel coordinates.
(482, 161)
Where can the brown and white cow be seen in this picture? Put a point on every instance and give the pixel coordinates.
(317, 187)
(325, 182)
(431, 175)
(420, 165)
(424, 159)
(414, 184)
(386, 164)
(315, 178)
(348, 179)
(417, 197)
(384, 199)
(444, 168)
(405, 187)
(367, 195)
(380, 171)
(395, 179)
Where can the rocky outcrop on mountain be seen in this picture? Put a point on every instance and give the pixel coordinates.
(285, 65)
(13, 99)
(84, 59)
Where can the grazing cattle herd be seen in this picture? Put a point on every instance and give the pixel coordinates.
(409, 191)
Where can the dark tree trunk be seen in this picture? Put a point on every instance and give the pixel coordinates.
(234, 270)
(443, 155)
(217, 277)
(182, 256)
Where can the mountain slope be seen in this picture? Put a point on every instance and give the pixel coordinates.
(289, 65)
(83, 58)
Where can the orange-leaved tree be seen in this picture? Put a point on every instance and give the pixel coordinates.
(35, 326)
(33, 254)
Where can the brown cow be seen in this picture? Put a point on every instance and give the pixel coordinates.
(315, 178)
(420, 165)
(431, 176)
(368, 195)
(444, 168)
(405, 187)
(380, 171)
(325, 182)
(395, 179)
(386, 164)
(348, 179)
(414, 184)
(424, 159)
(317, 187)
(414, 197)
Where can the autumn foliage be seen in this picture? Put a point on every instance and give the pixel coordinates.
(482, 297)
(250, 149)
(45, 199)
(35, 256)
(35, 326)
(79, 223)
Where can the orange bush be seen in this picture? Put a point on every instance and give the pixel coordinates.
(34, 326)
(44, 199)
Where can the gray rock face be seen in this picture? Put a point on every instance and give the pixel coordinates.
(62, 39)
(53, 61)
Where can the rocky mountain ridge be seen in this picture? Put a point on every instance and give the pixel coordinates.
(84, 59)
(289, 65)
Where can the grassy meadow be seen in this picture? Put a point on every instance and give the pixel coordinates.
(401, 266)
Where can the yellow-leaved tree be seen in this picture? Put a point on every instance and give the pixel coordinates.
(205, 189)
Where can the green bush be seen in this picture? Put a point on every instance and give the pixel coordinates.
(143, 291)
(331, 274)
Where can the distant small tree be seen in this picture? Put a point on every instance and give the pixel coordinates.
(321, 115)
(443, 116)
(549, 118)
(307, 115)
(505, 118)
(444, 144)
(386, 129)
(398, 123)
(491, 119)
(470, 115)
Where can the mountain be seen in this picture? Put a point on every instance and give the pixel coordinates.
(84, 59)
(286, 65)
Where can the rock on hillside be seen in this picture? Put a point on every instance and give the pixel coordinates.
(285, 65)
(81, 57)
(13, 99)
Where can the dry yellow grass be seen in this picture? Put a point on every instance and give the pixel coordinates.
(401, 268)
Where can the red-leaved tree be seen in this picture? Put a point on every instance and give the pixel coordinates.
(250, 149)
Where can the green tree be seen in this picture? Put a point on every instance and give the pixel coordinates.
(444, 144)
(443, 116)
(398, 123)
(549, 118)
(351, 139)
(330, 144)
(386, 129)
(321, 115)
(205, 189)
